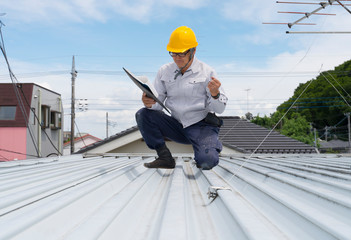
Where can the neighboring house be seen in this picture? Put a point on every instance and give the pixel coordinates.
(30, 122)
(334, 145)
(79, 143)
(236, 134)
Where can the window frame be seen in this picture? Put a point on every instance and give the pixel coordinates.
(12, 113)
(55, 120)
(45, 116)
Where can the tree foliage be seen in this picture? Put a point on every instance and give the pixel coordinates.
(297, 127)
(324, 102)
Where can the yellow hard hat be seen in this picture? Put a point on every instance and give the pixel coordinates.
(182, 39)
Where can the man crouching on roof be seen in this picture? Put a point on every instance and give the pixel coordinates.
(190, 89)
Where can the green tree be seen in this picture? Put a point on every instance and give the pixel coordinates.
(297, 127)
(324, 102)
(321, 103)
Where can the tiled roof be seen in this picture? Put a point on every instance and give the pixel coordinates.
(248, 137)
(335, 143)
(242, 136)
(115, 197)
(81, 138)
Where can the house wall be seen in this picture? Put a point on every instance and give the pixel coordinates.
(35, 138)
(12, 139)
(8, 97)
(52, 100)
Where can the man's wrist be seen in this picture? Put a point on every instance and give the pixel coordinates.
(216, 96)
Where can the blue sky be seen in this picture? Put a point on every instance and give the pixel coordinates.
(42, 36)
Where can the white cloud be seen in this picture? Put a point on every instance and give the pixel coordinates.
(190, 4)
(252, 11)
(90, 9)
(36, 10)
(54, 12)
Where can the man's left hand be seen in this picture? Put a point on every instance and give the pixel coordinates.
(213, 86)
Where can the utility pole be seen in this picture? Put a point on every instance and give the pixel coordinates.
(326, 133)
(315, 137)
(247, 98)
(106, 124)
(348, 127)
(73, 114)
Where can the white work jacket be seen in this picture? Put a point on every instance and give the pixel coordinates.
(188, 97)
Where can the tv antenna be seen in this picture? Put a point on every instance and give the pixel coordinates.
(322, 6)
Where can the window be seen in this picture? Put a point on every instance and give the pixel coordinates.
(55, 122)
(7, 112)
(45, 116)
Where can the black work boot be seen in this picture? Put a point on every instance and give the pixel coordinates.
(164, 160)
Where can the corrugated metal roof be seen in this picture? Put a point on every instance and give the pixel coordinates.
(115, 197)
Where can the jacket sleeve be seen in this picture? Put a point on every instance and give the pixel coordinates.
(216, 105)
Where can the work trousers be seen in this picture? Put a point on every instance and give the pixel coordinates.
(155, 126)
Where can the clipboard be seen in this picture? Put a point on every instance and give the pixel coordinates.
(146, 89)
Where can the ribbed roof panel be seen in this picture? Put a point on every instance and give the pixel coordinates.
(115, 197)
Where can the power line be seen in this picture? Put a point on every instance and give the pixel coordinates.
(19, 99)
(16, 86)
(73, 139)
(10, 151)
(121, 73)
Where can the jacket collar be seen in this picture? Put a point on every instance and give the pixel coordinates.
(194, 67)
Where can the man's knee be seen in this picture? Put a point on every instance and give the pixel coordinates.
(139, 115)
(207, 159)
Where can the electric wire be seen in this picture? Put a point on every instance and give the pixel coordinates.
(120, 73)
(81, 137)
(3, 157)
(244, 162)
(336, 90)
(235, 173)
(21, 104)
(308, 50)
(10, 151)
(19, 99)
(287, 74)
(340, 85)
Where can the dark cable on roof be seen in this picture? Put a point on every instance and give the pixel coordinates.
(6, 150)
